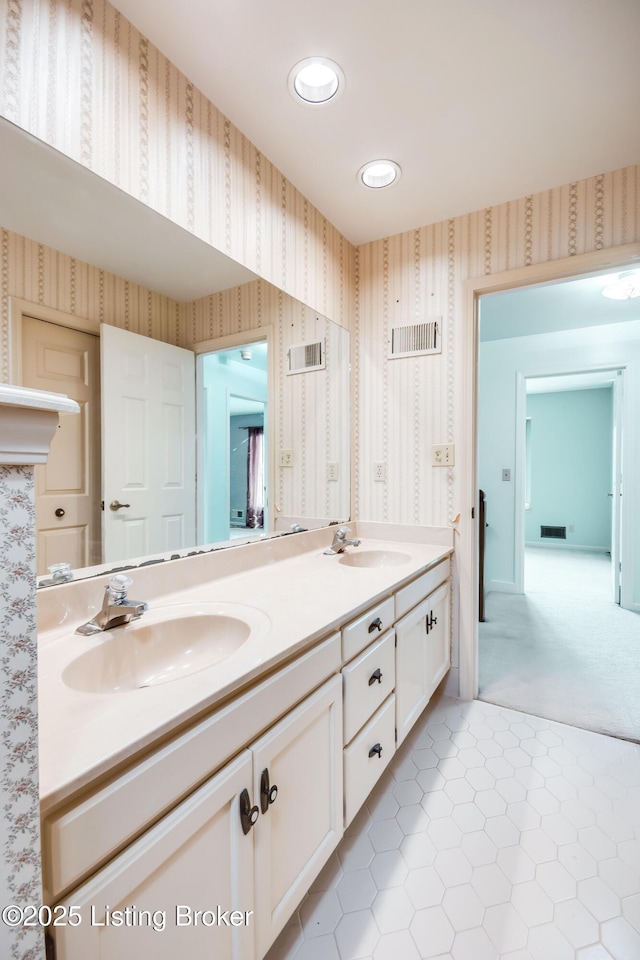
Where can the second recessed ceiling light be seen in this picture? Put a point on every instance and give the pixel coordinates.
(316, 80)
(379, 173)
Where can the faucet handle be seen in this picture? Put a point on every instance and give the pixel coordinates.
(341, 532)
(118, 586)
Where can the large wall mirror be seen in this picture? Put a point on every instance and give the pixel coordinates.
(227, 378)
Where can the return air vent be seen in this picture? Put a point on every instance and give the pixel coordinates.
(416, 339)
(304, 357)
(554, 533)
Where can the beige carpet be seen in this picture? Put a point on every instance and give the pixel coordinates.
(564, 650)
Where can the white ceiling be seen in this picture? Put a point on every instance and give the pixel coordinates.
(565, 305)
(479, 101)
(598, 380)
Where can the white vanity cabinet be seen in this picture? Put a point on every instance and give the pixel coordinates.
(422, 657)
(203, 844)
(298, 763)
(199, 857)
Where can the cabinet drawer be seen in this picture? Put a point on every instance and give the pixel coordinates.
(358, 634)
(421, 587)
(362, 697)
(79, 839)
(361, 771)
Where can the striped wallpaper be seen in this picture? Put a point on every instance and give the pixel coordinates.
(31, 271)
(78, 75)
(404, 406)
(313, 410)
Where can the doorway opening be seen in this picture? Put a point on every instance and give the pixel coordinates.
(234, 438)
(555, 642)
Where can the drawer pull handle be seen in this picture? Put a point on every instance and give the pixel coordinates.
(268, 793)
(59, 512)
(375, 625)
(248, 814)
(376, 675)
(430, 621)
(376, 749)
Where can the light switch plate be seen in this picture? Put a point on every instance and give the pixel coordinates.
(332, 471)
(443, 455)
(286, 458)
(506, 474)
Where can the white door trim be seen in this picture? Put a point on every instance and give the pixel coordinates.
(467, 551)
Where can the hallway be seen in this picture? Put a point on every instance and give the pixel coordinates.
(563, 650)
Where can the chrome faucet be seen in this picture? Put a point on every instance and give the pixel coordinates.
(117, 609)
(340, 541)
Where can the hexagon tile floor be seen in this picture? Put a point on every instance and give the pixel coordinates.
(492, 834)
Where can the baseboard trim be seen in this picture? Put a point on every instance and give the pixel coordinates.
(565, 546)
(501, 586)
(452, 684)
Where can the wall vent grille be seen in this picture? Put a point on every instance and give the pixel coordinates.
(304, 357)
(554, 533)
(416, 339)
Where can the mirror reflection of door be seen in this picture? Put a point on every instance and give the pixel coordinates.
(63, 360)
(246, 466)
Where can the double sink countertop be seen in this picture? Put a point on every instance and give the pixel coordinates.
(292, 592)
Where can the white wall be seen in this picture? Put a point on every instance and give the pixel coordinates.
(500, 361)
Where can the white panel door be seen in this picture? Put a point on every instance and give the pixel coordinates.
(148, 445)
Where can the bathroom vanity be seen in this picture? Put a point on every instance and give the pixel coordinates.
(193, 814)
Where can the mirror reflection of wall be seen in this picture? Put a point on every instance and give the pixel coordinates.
(149, 276)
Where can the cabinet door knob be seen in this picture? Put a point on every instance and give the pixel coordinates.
(376, 675)
(375, 625)
(268, 792)
(248, 814)
(59, 512)
(376, 749)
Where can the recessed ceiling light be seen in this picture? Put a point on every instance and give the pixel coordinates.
(625, 287)
(379, 173)
(316, 80)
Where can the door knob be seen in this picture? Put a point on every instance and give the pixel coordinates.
(116, 505)
(59, 512)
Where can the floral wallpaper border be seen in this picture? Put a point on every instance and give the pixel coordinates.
(20, 865)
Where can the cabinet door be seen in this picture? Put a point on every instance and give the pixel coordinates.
(422, 657)
(298, 830)
(197, 858)
(438, 639)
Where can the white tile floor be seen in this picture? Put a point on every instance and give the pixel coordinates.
(492, 834)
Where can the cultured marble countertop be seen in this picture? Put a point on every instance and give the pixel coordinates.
(304, 596)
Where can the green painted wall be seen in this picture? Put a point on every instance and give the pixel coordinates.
(571, 445)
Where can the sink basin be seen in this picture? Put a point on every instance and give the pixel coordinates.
(165, 644)
(374, 558)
